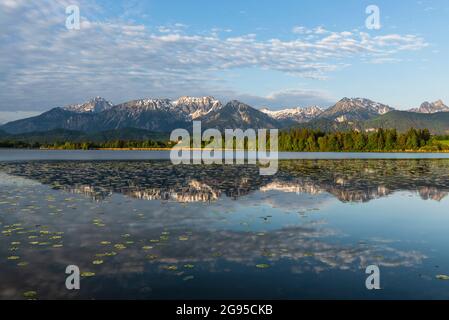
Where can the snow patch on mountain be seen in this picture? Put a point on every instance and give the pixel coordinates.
(194, 107)
(434, 107)
(369, 105)
(295, 114)
(187, 108)
(95, 105)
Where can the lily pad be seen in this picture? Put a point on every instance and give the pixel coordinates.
(110, 254)
(30, 294)
(120, 246)
(262, 266)
(442, 277)
(87, 274)
(13, 258)
(308, 254)
(170, 268)
(97, 262)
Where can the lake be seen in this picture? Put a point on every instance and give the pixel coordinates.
(146, 229)
(32, 154)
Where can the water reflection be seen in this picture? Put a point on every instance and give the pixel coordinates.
(215, 231)
(347, 180)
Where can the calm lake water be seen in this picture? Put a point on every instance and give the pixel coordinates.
(27, 155)
(146, 229)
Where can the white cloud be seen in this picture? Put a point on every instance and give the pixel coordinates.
(43, 64)
(289, 98)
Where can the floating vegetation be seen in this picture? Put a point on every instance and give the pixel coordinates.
(188, 278)
(57, 245)
(13, 258)
(87, 274)
(170, 268)
(147, 247)
(308, 254)
(262, 266)
(183, 238)
(98, 223)
(106, 254)
(97, 262)
(442, 277)
(120, 246)
(23, 264)
(189, 266)
(30, 294)
(105, 243)
(152, 256)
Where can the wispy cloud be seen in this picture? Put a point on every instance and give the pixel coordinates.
(44, 64)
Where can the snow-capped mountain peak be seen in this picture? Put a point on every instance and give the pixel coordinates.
(355, 109)
(94, 105)
(372, 106)
(434, 107)
(196, 107)
(295, 114)
(187, 108)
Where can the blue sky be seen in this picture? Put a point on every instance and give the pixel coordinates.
(275, 53)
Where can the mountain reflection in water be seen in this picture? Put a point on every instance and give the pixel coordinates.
(347, 180)
(152, 230)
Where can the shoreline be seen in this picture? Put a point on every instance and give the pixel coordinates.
(205, 149)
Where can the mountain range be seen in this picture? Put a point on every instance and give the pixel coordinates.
(165, 115)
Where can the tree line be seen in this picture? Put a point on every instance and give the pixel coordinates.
(294, 140)
(87, 145)
(381, 140)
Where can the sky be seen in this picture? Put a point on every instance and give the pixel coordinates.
(283, 53)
